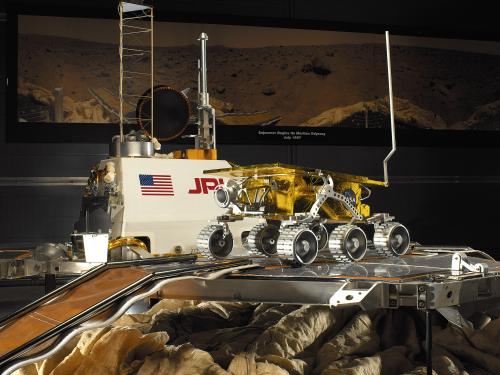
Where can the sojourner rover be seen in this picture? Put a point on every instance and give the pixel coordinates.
(293, 205)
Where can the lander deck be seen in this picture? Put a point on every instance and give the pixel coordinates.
(425, 281)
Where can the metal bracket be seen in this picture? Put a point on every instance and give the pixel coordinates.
(424, 296)
(351, 297)
(380, 218)
(225, 229)
(453, 315)
(325, 192)
(459, 262)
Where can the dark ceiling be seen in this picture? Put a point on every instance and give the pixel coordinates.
(473, 20)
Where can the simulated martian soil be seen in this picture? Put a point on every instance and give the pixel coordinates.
(336, 85)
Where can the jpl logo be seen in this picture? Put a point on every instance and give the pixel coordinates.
(204, 184)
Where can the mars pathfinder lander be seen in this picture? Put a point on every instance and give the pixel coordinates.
(140, 207)
(159, 203)
(162, 203)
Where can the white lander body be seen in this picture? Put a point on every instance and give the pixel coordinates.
(164, 201)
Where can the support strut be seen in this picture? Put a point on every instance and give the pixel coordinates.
(428, 340)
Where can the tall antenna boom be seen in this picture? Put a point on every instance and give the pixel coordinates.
(391, 109)
(206, 114)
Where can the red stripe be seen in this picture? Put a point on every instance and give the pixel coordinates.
(163, 183)
(161, 175)
(157, 190)
(167, 194)
(169, 190)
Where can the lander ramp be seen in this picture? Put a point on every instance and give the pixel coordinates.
(93, 300)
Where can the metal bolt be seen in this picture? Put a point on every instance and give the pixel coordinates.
(178, 249)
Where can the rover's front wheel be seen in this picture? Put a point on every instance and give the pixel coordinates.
(391, 239)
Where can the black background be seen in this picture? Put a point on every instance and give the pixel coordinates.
(445, 195)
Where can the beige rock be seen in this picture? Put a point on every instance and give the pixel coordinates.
(221, 106)
(292, 366)
(357, 338)
(182, 360)
(483, 116)
(480, 347)
(84, 111)
(245, 364)
(404, 112)
(296, 331)
(111, 352)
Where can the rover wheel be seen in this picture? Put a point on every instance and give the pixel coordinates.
(391, 239)
(348, 243)
(321, 234)
(298, 243)
(212, 243)
(263, 239)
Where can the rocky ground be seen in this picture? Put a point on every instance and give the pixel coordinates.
(211, 338)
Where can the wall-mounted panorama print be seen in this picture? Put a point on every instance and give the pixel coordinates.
(269, 78)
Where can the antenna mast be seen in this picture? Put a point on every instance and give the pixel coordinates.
(391, 109)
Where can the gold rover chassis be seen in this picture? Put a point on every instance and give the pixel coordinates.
(294, 205)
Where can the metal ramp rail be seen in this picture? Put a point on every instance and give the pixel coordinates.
(95, 299)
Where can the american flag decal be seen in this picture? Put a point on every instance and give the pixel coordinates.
(156, 184)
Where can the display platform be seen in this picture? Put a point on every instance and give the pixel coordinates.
(432, 278)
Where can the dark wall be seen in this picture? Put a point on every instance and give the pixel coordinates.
(459, 208)
(472, 20)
